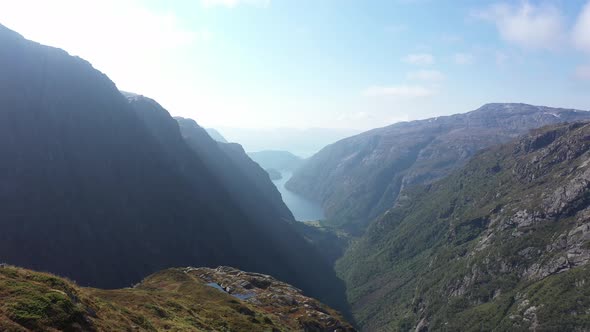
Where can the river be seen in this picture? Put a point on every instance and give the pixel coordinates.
(302, 208)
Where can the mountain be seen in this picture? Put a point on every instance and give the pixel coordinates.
(215, 135)
(359, 178)
(277, 160)
(179, 299)
(274, 174)
(255, 195)
(105, 190)
(501, 244)
(238, 173)
(302, 142)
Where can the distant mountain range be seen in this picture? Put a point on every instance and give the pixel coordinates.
(301, 142)
(277, 160)
(360, 177)
(502, 244)
(106, 189)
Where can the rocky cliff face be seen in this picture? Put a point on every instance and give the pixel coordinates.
(358, 178)
(105, 190)
(179, 299)
(502, 243)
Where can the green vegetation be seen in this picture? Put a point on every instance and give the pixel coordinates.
(330, 242)
(359, 178)
(485, 248)
(171, 300)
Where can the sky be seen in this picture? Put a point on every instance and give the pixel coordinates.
(323, 63)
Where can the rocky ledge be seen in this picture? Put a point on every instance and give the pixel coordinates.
(284, 301)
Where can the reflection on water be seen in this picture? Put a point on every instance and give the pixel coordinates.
(302, 208)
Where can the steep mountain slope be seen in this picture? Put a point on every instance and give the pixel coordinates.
(238, 172)
(216, 135)
(94, 188)
(278, 160)
(501, 244)
(358, 178)
(175, 299)
(250, 187)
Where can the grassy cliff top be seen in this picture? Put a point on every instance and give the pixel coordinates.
(170, 300)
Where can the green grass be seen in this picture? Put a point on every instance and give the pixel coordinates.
(412, 261)
(170, 300)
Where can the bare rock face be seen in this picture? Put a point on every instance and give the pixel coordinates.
(285, 301)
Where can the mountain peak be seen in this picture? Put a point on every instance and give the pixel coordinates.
(347, 176)
(521, 108)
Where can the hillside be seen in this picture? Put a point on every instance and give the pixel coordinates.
(105, 190)
(358, 178)
(501, 244)
(230, 163)
(180, 299)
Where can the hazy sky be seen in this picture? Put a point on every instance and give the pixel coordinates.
(323, 63)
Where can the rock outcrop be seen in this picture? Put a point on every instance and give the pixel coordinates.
(288, 303)
(178, 299)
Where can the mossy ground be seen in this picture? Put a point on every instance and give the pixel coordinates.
(166, 301)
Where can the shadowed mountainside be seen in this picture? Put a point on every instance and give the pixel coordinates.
(106, 191)
(216, 135)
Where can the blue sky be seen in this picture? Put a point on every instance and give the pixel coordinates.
(324, 63)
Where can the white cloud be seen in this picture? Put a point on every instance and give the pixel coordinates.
(421, 59)
(527, 25)
(463, 58)
(583, 72)
(426, 75)
(402, 91)
(581, 32)
(234, 3)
